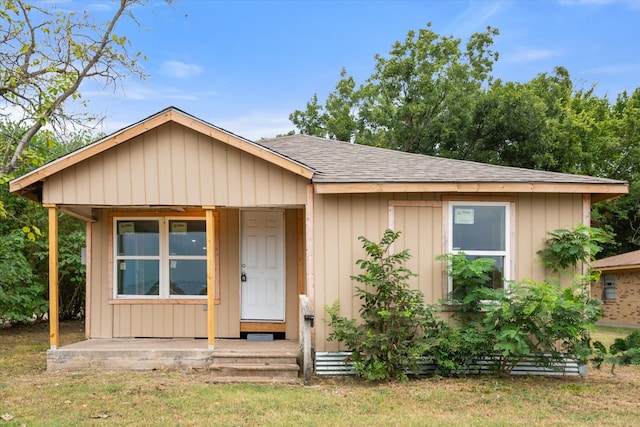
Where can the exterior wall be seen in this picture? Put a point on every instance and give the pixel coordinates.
(171, 319)
(340, 219)
(175, 166)
(625, 309)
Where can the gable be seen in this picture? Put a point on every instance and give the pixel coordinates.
(174, 165)
(30, 185)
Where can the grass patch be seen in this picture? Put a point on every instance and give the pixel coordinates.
(608, 334)
(34, 397)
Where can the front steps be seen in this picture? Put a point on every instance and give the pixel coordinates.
(256, 367)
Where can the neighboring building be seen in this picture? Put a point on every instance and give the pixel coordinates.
(619, 289)
(193, 231)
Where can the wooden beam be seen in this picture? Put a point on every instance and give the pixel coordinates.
(309, 250)
(311, 290)
(471, 187)
(300, 241)
(54, 327)
(211, 268)
(262, 327)
(416, 203)
(88, 269)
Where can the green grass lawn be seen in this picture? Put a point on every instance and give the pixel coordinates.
(33, 397)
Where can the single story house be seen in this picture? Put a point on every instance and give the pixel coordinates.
(619, 289)
(195, 232)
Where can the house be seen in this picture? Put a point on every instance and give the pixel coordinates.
(194, 232)
(619, 289)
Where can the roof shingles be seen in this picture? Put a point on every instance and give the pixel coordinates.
(342, 162)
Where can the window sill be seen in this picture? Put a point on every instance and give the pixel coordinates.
(157, 301)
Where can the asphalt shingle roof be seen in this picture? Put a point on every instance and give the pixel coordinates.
(342, 162)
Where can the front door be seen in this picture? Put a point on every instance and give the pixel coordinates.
(262, 296)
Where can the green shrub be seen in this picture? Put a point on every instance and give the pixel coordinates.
(397, 327)
(623, 352)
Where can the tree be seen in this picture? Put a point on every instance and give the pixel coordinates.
(426, 84)
(45, 55)
(431, 95)
(24, 250)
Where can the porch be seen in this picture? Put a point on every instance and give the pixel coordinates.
(232, 360)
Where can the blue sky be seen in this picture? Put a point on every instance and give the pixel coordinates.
(246, 65)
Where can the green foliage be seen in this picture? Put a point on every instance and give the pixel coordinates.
(540, 319)
(21, 293)
(469, 277)
(29, 222)
(528, 318)
(622, 352)
(566, 248)
(47, 54)
(397, 328)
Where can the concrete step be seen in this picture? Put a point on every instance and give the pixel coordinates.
(255, 358)
(286, 370)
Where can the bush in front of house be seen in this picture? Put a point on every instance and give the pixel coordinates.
(396, 328)
(527, 319)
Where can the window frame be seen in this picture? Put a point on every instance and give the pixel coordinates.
(164, 295)
(507, 253)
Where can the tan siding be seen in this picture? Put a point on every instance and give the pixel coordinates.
(228, 312)
(421, 234)
(340, 219)
(124, 173)
(101, 311)
(148, 188)
(173, 165)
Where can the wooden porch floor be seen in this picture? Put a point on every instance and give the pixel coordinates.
(153, 353)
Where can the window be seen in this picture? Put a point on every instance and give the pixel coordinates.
(609, 287)
(160, 258)
(481, 230)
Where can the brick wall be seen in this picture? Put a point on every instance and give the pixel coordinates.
(625, 309)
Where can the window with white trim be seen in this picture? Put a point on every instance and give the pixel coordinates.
(481, 230)
(160, 258)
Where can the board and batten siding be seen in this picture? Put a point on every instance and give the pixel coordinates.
(175, 166)
(340, 219)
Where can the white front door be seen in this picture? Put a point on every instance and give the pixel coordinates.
(262, 287)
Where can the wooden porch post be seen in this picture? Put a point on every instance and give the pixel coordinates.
(54, 329)
(211, 268)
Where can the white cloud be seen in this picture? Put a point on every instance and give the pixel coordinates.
(180, 70)
(616, 69)
(257, 124)
(475, 17)
(529, 55)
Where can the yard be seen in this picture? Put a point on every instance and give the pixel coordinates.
(32, 397)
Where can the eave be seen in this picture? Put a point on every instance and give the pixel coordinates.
(599, 192)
